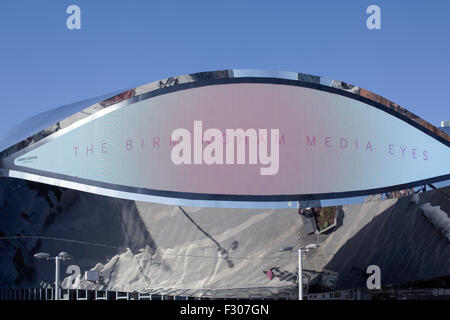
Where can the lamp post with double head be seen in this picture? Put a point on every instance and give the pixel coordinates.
(61, 256)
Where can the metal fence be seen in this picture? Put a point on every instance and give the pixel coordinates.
(281, 293)
(383, 294)
(351, 294)
(79, 294)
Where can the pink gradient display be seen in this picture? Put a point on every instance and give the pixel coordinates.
(328, 143)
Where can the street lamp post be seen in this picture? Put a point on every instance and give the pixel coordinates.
(61, 256)
(300, 274)
(300, 267)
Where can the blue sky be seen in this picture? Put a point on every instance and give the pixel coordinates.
(123, 44)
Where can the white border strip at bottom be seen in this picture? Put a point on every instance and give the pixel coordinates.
(179, 201)
(144, 197)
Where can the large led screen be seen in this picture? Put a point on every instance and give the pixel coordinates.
(242, 141)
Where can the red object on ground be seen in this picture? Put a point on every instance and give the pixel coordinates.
(269, 274)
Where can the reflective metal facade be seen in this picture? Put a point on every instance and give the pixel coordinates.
(47, 127)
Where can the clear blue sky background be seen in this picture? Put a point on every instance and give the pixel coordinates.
(127, 43)
(123, 44)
